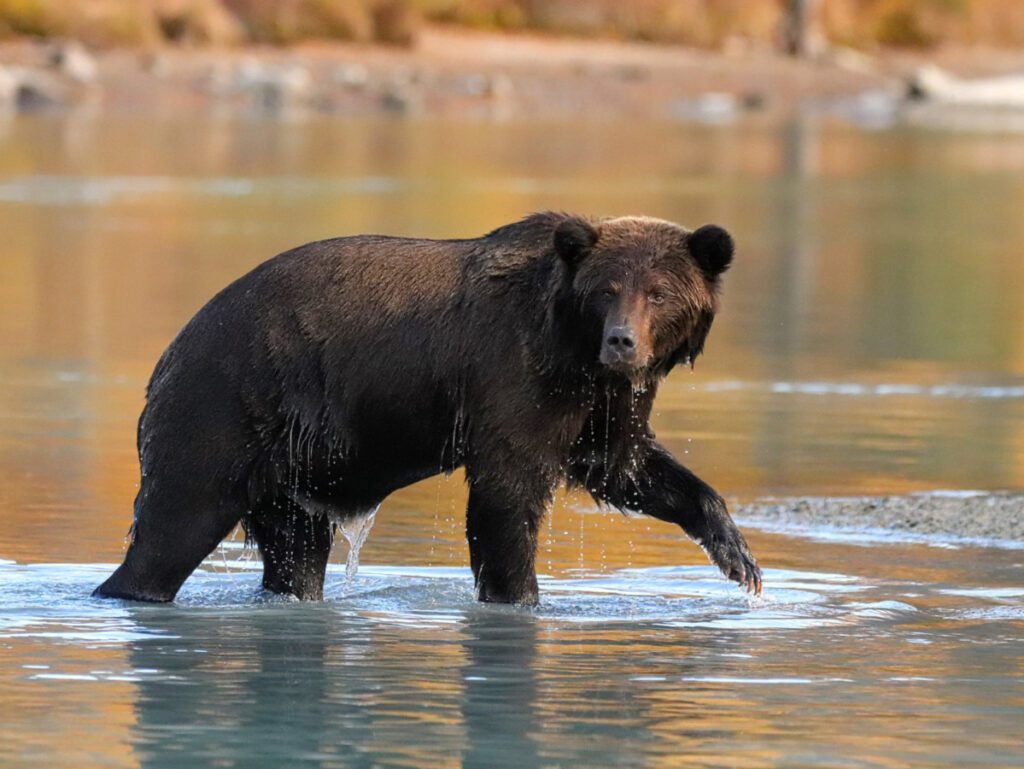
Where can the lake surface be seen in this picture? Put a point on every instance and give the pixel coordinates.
(871, 341)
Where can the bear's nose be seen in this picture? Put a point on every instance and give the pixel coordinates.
(622, 340)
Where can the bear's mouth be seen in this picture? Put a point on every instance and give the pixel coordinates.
(628, 366)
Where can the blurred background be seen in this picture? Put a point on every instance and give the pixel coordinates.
(868, 155)
(710, 24)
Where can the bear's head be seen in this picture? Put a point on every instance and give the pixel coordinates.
(645, 289)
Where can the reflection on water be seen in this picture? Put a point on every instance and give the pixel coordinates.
(638, 667)
(872, 340)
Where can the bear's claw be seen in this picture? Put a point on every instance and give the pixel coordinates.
(737, 563)
(748, 576)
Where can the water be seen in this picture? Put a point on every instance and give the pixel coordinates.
(634, 667)
(872, 341)
(355, 532)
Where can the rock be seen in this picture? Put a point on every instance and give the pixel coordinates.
(274, 86)
(712, 107)
(401, 97)
(474, 85)
(934, 84)
(34, 93)
(30, 89)
(499, 87)
(155, 64)
(73, 60)
(754, 101)
(354, 76)
(8, 88)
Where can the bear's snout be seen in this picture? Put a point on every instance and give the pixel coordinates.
(620, 348)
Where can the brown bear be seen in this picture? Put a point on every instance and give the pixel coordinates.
(311, 388)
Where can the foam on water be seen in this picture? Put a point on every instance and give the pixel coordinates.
(53, 601)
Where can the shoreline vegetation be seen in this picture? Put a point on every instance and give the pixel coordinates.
(709, 24)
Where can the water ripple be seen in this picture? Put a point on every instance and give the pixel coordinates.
(858, 389)
(53, 190)
(52, 601)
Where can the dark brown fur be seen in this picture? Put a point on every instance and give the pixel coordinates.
(330, 376)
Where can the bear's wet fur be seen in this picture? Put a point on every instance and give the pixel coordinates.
(326, 378)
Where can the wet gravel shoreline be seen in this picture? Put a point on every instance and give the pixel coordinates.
(464, 74)
(968, 515)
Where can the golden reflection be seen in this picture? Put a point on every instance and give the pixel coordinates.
(866, 259)
(49, 700)
(116, 244)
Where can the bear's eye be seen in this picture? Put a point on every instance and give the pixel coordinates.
(656, 297)
(609, 292)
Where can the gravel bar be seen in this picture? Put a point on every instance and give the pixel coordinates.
(973, 515)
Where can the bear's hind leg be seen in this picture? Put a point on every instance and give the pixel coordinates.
(295, 546)
(171, 536)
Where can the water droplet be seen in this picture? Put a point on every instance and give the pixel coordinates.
(355, 531)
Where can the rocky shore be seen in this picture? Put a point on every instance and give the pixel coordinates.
(997, 516)
(454, 73)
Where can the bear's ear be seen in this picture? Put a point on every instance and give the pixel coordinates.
(574, 238)
(712, 247)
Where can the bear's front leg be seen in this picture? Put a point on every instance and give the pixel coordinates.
(661, 487)
(670, 492)
(502, 522)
